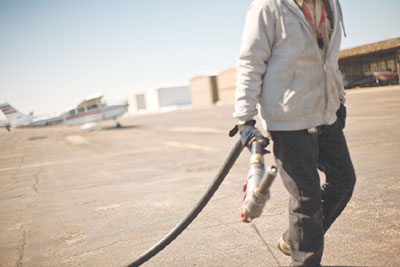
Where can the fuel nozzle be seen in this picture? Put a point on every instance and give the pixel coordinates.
(256, 188)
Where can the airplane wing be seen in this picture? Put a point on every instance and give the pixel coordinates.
(90, 100)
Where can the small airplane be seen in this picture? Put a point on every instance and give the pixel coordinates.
(91, 109)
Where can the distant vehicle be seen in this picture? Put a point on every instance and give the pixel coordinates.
(383, 76)
(373, 78)
(89, 110)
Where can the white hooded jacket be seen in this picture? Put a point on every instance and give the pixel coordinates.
(280, 67)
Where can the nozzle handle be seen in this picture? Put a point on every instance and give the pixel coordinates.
(257, 148)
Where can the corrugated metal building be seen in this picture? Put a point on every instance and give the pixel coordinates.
(372, 64)
(207, 90)
(137, 103)
(203, 91)
(226, 82)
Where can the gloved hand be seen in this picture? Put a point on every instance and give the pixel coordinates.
(341, 115)
(249, 134)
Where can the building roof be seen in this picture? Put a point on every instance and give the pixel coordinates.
(370, 48)
(205, 74)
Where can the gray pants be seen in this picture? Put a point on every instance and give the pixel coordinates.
(312, 210)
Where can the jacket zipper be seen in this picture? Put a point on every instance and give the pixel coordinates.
(323, 59)
(299, 14)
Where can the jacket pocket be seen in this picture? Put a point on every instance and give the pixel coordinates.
(301, 97)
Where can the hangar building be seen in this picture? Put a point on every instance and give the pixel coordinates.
(371, 65)
(160, 98)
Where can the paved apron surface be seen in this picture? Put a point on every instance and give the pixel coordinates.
(75, 198)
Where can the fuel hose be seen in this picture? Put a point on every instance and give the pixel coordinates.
(185, 222)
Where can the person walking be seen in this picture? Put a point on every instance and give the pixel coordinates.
(288, 74)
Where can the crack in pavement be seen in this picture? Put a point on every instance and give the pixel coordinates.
(34, 186)
(21, 250)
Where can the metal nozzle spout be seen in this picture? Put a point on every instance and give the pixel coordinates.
(258, 196)
(267, 181)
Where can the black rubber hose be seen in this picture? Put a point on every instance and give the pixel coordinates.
(180, 227)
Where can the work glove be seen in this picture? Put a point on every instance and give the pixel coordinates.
(249, 134)
(341, 115)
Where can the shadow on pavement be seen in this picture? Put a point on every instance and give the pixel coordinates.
(32, 138)
(121, 127)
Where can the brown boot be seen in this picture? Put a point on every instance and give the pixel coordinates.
(284, 247)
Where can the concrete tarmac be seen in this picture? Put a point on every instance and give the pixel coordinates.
(75, 198)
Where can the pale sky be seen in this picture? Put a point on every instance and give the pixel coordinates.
(53, 53)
